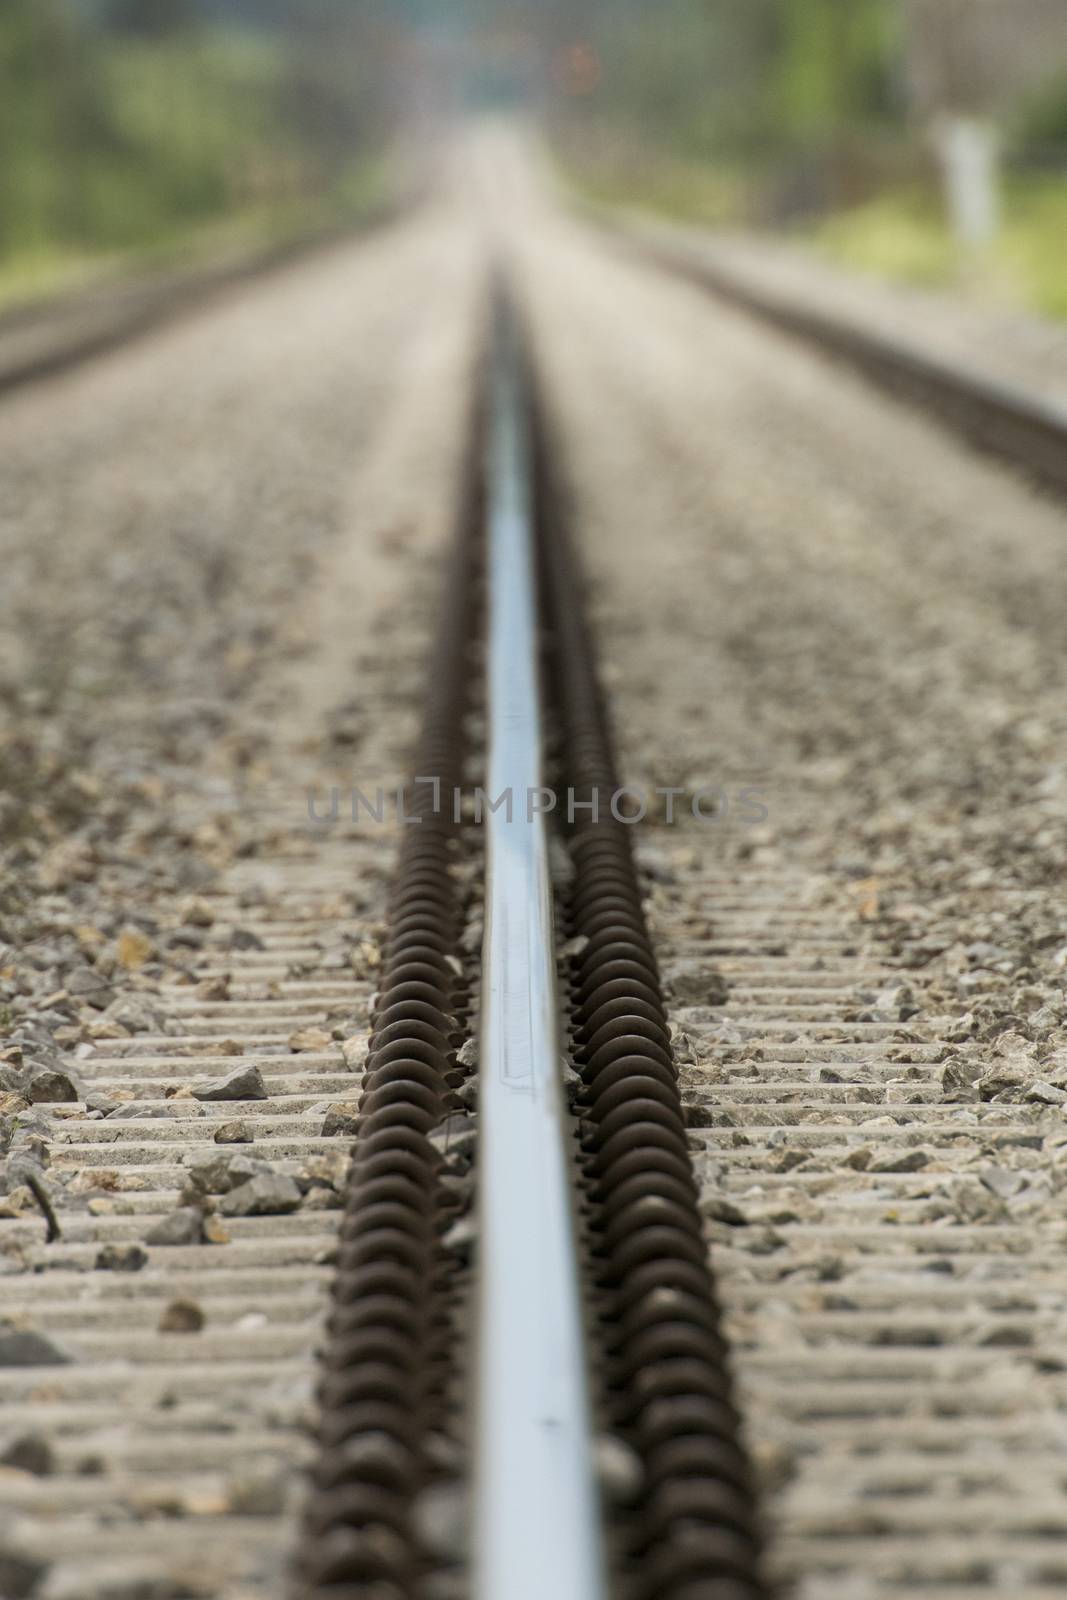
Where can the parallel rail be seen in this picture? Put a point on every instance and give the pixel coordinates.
(40, 342)
(1019, 428)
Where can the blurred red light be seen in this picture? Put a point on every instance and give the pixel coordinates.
(577, 69)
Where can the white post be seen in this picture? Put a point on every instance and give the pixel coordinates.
(969, 153)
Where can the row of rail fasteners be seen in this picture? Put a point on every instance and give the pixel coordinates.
(589, 1318)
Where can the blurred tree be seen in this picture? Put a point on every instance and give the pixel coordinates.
(124, 123)
(838, 64)
(151, 19)
(336, 86)
(52, 111)
(967, 61)
(715, 76)
(1039, 122)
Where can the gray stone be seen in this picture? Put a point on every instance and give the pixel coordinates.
(984, 954)
(181, 1316)
(90, 987)
(269, 1195)
(697, 985)
(218, 1174)
(456, 1139)
(243, 1083)
(902, 1161)
(20, 1573)
(29, 1452)
(959, 1078)
(235, 1133)
(572, 1083)
(468, 1093)
(22, 1347)
(258, 1491)
(137, 1111)
(326, 1171)
(762, 1241)
(52, 1084)
(136, 1014)
(1005, 1081)
(354, 1052)
(1046, 1094)
(700, 1116)
(718, 1209)
(462, 1238)
(1002, 1182)
(120, 1258)
(183, 1226)
(341, 1119)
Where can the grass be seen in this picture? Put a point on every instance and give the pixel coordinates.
(900, 236)
(903, 236)
(1035, 238)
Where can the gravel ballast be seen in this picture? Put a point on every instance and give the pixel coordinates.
(808, 597)
(220, 551)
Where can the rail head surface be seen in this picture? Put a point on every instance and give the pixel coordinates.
(537, 1521)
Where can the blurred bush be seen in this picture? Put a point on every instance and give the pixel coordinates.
(826, 116)
(790, 94)
(1038, 123)
(128, 124)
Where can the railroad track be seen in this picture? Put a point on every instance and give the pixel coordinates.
(995, 417)
(591, 1314)
(523, 1328)
(40, 342)
(526, 1380)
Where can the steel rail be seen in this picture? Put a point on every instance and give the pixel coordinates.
(1022, 429)
(89, 324)
(538, 1527)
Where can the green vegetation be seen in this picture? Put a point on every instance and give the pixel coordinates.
(770, 112)
(711, 79)
(903, 235)
(1032, 248)
(157, 133)
(796, 114)
(1039, 121)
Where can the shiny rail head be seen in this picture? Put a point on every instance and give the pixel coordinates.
(537, 1515)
